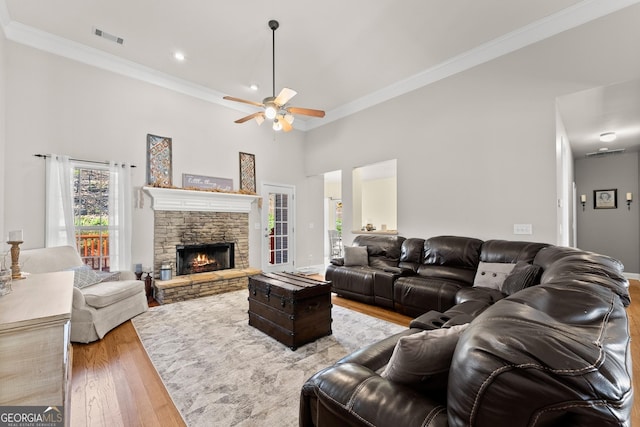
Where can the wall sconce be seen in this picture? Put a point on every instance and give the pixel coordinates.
(629, 199)
(583, 200)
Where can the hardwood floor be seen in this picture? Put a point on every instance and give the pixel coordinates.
(115, 384)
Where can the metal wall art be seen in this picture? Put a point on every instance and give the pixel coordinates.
(248, 172)
(159, 171)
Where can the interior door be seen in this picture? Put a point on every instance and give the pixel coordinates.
(277, 224)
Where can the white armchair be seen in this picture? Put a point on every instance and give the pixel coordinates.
(97, 308)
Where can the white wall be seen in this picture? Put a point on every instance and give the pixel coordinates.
(379, 197)
(476, 152)
(3, 171)
(61, 106)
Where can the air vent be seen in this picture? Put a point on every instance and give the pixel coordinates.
(98, 32)
(605, 153)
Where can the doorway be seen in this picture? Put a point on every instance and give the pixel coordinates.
(278, 226)
(332, 215)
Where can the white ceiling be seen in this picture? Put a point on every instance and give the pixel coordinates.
(589, 113)
(340, 56)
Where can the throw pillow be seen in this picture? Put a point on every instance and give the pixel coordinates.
(355, 255)
(492, 274)
(84, 276)
(419, 357)
(108, 276)
(522, 276)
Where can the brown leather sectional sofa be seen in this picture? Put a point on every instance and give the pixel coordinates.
(544, 344)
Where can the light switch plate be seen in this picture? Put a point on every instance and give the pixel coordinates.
(522, 229)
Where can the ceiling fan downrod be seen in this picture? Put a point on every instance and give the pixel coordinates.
(273, 24)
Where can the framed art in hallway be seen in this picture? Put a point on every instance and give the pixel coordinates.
(248, 172)
(605, 199)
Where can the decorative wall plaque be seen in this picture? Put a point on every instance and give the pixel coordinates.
(206, 182)
(159, 171)
(248, 172)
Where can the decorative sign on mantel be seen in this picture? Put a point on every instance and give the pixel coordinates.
(201, 182)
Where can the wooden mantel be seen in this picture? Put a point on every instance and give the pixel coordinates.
(177, 199)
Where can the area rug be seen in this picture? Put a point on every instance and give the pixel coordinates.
(220, 371)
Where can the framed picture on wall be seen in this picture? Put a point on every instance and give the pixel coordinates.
(605, 199)
(248, 172)
(159, 172)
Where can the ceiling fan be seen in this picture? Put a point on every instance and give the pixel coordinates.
(275, 107)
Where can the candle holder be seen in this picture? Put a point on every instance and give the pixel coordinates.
(148, 285)
(15, 257)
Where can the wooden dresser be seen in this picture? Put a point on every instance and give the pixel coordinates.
(35, 349)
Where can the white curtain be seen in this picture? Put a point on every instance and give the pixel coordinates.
(60, 229)
(119, 216)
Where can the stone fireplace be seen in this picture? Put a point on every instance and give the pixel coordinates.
(196, 219)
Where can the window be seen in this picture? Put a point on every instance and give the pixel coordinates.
(91, 215)
(89, 205)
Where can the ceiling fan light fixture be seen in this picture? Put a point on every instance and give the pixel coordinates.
(608, 137)
(277, 125)
(270, 111)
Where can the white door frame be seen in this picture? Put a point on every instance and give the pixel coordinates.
(266, 190)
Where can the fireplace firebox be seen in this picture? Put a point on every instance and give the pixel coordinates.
(205, 257)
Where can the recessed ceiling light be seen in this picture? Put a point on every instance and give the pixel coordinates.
(178, 56)
(608, 136)
(253, 86)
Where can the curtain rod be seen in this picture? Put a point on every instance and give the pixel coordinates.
(44, 156)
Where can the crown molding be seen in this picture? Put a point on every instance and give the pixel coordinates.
(566, 19)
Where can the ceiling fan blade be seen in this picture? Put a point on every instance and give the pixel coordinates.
(250, 116)
(260, 119)
(286, 126)
(284, 96)
(231, 98)
(306, 111)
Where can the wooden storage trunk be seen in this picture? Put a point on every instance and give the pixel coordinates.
(293, 309)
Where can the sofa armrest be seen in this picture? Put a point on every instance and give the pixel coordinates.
(375, 356)
(78, 299)
(337, 261)
(127, 275)
(349, 394)
(400, 271)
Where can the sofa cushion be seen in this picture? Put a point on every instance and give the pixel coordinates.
(423, 357)
(104, 294)
(355, 255)
(452, 251)
(492, 274)
(84, 276)
(522, 276)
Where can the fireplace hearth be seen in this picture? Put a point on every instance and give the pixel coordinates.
(202, 258)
